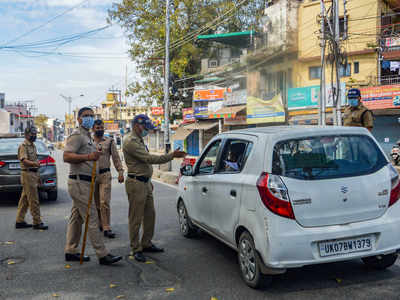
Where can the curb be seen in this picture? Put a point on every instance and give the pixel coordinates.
(166, 177)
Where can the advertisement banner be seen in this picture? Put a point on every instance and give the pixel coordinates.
(188, 114)
(209, 95)
(308, 97)
(381, 97)
(157, 111)
(265, 111)
(209, 108)
(236, 98)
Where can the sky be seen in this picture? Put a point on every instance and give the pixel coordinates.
(89, 66)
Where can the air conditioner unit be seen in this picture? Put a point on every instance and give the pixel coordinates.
(213, 63)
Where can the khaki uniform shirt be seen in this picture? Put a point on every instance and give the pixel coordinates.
(137, 157)
(80, 142)
(108, 149)
(27, 150)
(352, 117)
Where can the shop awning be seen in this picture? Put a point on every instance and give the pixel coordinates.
(181, 134)
(236, 39)
(227, 112)
(208, 80)
(201, 125)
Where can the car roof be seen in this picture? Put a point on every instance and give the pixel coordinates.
(298, 130)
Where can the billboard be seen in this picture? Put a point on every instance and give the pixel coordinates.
(236, 97)
(381, 97)
(188, 114)
(157, 111)
(308, 97)
(265, 111)
(209, 95)
(111, 97)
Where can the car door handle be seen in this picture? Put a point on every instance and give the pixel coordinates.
(204, 190)
(233, 193)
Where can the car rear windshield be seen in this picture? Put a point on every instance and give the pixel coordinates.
(11, 146)
(325, 157)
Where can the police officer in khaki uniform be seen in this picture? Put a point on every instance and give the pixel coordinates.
(80, 152)
(356, 114)
(27, 154)
(102, 193)
(139, 187)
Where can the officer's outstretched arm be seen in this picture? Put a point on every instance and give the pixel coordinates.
(139, 152)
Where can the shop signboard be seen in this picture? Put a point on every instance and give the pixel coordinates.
(265, 111)
(237, 120)
(236, 97)
(157, 111)
(308, 97)
(188, 114)
(381, 97)
(207, 109)
(209, 95)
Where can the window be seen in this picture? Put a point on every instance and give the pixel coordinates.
(209, 159)
(345, 70)
(315, 72)
(326, 157)
(234, 156)
(356, 67)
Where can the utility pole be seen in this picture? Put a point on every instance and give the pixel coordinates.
(166, 84)
(68, 99)
(336, 102)
(322, 101)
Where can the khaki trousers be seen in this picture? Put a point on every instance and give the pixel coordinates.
(29, 197)
(102, 197)
(141, 210)
(79, 192)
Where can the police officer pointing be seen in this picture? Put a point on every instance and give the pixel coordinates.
(356, 114)
(27, 154)
(139, 187)
(80, 152)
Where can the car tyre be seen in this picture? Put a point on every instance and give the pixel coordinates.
(380, 262)
(52, 195)
(185, 224)
(249, 263)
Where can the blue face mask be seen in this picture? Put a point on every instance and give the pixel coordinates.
(145, 133)
(353, 102)
(87, 122)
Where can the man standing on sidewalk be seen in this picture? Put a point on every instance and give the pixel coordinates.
(80, 152)
(102, 194)
(139, 187)
(27, 155)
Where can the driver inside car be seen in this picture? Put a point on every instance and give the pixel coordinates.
(233, 160)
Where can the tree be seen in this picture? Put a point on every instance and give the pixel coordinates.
(144, 23)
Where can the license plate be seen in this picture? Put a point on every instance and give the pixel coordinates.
(339, 247)
(14, 166)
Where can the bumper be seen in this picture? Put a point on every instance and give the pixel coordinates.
(47, 184)
(288, 245)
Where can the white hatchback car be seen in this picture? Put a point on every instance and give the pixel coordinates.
(286, 197)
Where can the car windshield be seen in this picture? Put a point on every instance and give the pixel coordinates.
(326, 157)
(11, 145)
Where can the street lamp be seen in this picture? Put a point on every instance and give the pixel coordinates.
(68, 99)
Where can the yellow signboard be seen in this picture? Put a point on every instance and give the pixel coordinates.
(265, 111)
(112, 97)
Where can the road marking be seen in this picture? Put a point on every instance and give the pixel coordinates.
(167, 184)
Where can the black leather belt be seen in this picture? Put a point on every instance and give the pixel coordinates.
(31, 170)
(140, 178)
(101, 171)
(81, 177)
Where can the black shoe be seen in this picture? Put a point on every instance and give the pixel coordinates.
(140, 257)
(40, 226)
(75, 257)
(101, 228)
(109, 259)
(109, 234)
(153, 248)
(22, 225)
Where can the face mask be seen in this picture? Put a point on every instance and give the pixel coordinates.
(353, 102)
(87, 122)
(32, 138)
(99, 133)
(145, 133)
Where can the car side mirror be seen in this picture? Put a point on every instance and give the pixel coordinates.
(187, 170)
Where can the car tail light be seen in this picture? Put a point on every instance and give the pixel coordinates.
(395, 185)
(48, 161)
(274, 195)
(2, 164)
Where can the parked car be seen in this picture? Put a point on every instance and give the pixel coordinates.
(287, 197)
(10, 168)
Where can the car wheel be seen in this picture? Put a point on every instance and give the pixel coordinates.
(52, 195)
(186, 226)
(249, 263)
(380, 262)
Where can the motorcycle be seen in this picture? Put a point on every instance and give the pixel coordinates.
(395, 154)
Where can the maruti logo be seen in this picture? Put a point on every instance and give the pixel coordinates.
(344, 189)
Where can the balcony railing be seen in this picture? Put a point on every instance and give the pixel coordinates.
(389, 80)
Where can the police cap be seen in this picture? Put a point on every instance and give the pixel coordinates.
(143, 120)
(30, 130)
(353, 93)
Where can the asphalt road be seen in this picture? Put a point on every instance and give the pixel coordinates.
(32, 262)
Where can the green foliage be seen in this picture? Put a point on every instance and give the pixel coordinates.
(144, 24)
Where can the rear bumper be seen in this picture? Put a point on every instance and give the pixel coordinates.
(288, 245)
